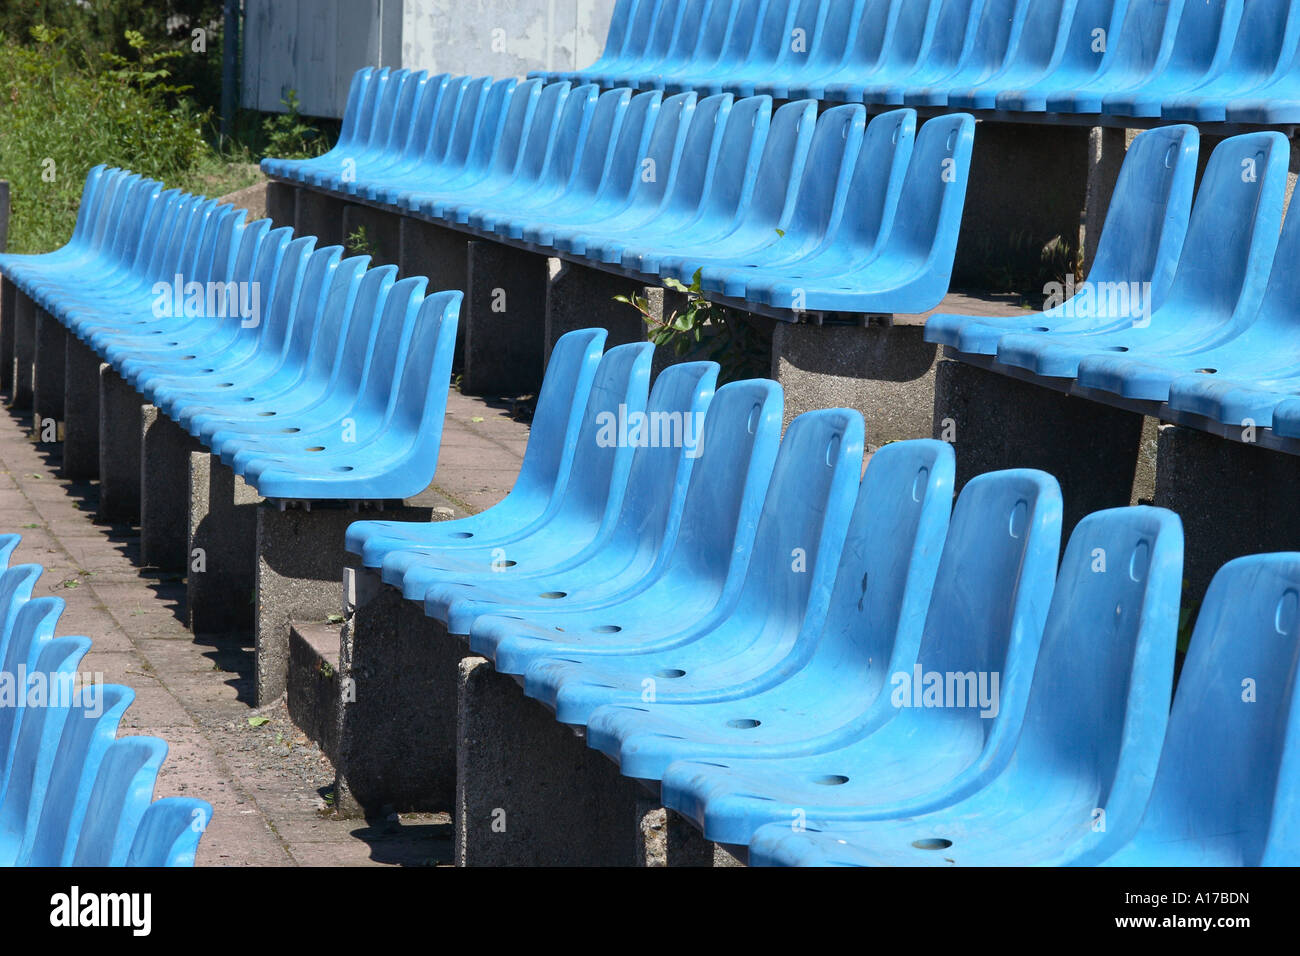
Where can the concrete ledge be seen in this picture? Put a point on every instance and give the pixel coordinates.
(396, 704)
(281, 200)
(313, 692)
(80, 411)
(1096, 452)
(221, 548)
(300, 561)
(165, 450)
(48, 364)
(885, 372)
(528, 790)
(382, 234)
(318, 214)
(119, 448)
(24, 352)
(504, 318)
(1235, 499)
(8, 305)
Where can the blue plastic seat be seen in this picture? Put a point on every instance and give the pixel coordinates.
(634, 535)
(1075, 781)
(592, 496)
(169, 832)
(861, 29)
(122, 791)
(1079, 55)
(1227, 783)
(944, 727)
(348, 133)
(759, 635)
(1139, 248)
(893, 543)
(1036, 44)
(87, 735)
(24, 786)
(1218, 285)
(908, 30)
(1277, 100)
(1139, 51)
(543, 474)
(1265, 41)
(8, 542)
(984, 54)
(1202, 48)
(704, 569)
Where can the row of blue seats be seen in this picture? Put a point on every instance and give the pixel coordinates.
(73, 793)
(1204, 61)
(310, 374)
(859, 662)
(785, 209)
(1189, 304)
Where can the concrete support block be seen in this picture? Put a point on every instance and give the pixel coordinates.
(313, 693)
(281, 200)
(80, 411)
(119, 448)
(997, 422)
(669, 839)
(381, 230)
(221, 550)
(8, 306)
(318, 214)
(885, 372)
(397, 703)
(47, 375)
(1234, 498)
(1028, 186)
(578, 297)
(529, 792)
(20, 393)
(1106, 149)
(300, 561)
(165, 450)
(442, 254)
(504, 317)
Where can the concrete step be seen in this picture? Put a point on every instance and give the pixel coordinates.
(313, 693)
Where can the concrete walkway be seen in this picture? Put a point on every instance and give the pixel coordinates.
(269, 786)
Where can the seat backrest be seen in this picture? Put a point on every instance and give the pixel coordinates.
(877, 182)
(321, 324)
(122, 792)
(909, 35)
(87, 734)
(619, 33)
(773, 36)
(406, 109)
(354, 349)
(1084, 48)
(888, 565)
(990, 42)
(1144, 39)
(606, 124)
(310, 302)
(169, 832)
(934, 193)
(951, 34)
(1044, 34)
(737, 451)
(1233, 231)
(625, 161)
(386, 347)
(1227, 787)
(744, 139)
(832, 156)
(1106, 664)
(1146, 223)
(657, 168)
(278, 308)
(988, 608)
(559, 164)
(601, 459)
(700, 151)
(545, 128)
(785, 156)
(22, 791)
(805, 517)
(16, 585)
(666, 451)
(430, 131)
(561, 402)
(420, 395)
(1203, 30)
(478, 134)
(1266, 31)
(353, 108)
(33, 628)
(8, 542)
(525, 101)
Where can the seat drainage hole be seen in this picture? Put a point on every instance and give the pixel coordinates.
(342, 468)
(248, 398)
(499, 564)
(831, 780)
(553, 595)
(462, 534)
(316, 448)
(1117, 348)
(188, 358)
(226, 385)
(1040, 328)
(932, 843)
(1207, 371)
(670, 673)
(606, 629)
(290, 431)
(743, 723)
(265, 414)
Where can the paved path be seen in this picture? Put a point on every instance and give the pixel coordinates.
(268, 784)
